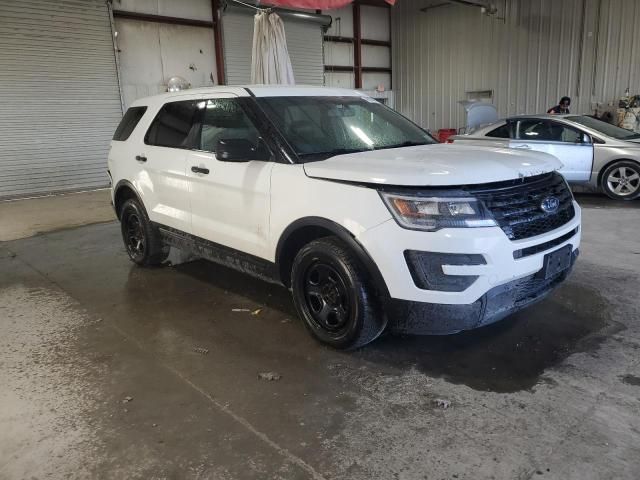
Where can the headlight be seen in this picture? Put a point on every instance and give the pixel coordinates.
(434, 213)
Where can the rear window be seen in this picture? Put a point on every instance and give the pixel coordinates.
(174, 126)
(128, 123)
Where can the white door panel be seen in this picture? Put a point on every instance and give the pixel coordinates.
(576, 158)
(165, 186)
(564, 142)
(231, 204)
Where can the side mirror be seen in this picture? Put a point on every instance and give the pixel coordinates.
(586, 138)
(240, 150)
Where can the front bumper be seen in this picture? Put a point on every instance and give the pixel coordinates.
(420, 318)
(494, 293)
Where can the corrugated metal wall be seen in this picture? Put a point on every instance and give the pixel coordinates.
(617, 64)
(530, 54)
(59, 98)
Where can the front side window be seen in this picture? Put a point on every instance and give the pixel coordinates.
(320, 127)
(225, 119)
(545, 130)
(128, 123)
(174, 126)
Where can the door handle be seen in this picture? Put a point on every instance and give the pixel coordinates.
(204, 171)
(141, 158)
(526, 147)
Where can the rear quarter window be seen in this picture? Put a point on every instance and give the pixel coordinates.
(128, 123)
(501, 132)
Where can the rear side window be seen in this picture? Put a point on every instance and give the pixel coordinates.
(501, 132)
(174, 126)
(128, 123)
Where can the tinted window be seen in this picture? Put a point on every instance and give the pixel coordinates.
(605, 128)
(174, 126)
(320, 127)
(128, 123)
(225, 119)
(545, 130)
(501, 132)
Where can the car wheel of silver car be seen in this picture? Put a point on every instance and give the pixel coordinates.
(621, 180)
(334, 296)
(141, 238)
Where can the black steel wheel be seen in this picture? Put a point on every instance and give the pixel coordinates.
(327, 297)
(134, 238)
(334, 296)
(141, 239)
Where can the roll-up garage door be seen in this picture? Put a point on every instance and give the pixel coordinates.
(59, 98)
(304, 42)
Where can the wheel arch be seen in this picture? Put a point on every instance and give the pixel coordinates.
(307, 229)
(124, 191)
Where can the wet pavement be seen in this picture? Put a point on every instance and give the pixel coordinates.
(113, 371)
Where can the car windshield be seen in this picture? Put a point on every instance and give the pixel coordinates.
(604, 127)
(321, 127)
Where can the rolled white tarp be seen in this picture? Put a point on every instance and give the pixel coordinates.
(270, 62)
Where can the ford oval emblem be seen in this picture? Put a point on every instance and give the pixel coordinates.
(550, 204)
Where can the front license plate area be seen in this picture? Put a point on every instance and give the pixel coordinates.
(556, 262)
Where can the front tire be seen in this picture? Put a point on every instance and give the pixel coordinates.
(334, 296)
(141, 239)
(621, 180)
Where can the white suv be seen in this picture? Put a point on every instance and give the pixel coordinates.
(350, 205)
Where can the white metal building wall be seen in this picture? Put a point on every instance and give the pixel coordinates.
(150, 53)
(530, 54)
(59, 95)
(304, 42)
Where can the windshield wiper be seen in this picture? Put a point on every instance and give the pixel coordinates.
(408, 143)
(331, 153)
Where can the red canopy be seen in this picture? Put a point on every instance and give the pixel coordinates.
(315, 4)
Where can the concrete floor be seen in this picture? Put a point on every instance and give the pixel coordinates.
(24, 218)
(112, 371)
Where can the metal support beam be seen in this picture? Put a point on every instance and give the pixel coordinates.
(217, 38)
(349, 68)
(363, 41)
(357, 46)
(146, 17)
(373, 3)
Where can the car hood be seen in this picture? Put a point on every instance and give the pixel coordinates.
(438, 165)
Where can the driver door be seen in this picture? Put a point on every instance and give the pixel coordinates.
(569, 145)
(230, 200)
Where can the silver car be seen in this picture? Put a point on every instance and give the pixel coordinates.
(595, 154)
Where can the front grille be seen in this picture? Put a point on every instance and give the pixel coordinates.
(516, 206)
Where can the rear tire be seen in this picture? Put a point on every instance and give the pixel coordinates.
(334, 296)
(621, 180)
(141, 239)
